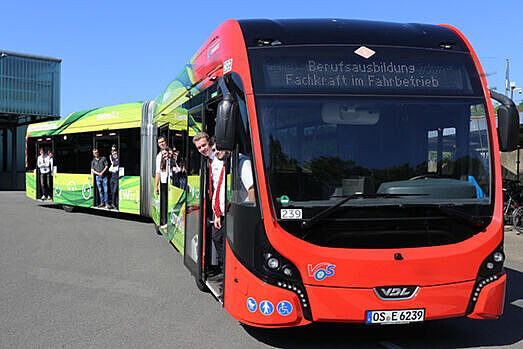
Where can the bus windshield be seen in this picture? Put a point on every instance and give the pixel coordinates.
(320, 149)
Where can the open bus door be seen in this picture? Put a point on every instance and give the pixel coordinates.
(197, 196)
(103, 141)
(46, 144)
(200, 255)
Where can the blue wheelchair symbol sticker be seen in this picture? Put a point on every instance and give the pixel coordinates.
(284, 308)
(266, 308)
(251, 305)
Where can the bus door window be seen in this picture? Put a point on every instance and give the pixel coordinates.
(197, 185)
(177, 144)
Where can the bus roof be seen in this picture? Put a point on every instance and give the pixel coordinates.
(120, 116)
(348, 32)
(328, 31)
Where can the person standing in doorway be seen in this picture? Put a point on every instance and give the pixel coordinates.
(51, 171)
(110, 188)
(163, 172)
(43, 167)
(114, 171)
(99, 167)
(218, 203)
(162, 190)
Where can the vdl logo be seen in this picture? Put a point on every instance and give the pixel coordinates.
(321, 270)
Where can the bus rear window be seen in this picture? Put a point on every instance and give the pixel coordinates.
(351, 69)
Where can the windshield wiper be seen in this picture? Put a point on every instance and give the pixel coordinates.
(308, 223)
(475, 221)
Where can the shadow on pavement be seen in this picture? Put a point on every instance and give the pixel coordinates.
(100, 212)
(448, 333)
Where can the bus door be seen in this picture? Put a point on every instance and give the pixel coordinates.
(197, 186)
(103, 141)
(46, 144)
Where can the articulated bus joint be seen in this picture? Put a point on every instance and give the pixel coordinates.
(489, 283)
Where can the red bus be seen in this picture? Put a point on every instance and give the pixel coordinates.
(374, 158)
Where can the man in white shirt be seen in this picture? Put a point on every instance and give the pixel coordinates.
(219, 179)
(161, 190)
(43, 167)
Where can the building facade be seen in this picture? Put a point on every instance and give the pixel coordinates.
(29, 92)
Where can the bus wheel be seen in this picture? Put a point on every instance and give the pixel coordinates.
(68, 208)
(201, 285)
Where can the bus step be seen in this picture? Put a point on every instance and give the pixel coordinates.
(216, 288)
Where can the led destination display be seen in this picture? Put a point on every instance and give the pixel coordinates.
(352, 72)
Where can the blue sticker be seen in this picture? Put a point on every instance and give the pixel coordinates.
(251, 305)
(266, 308)
(284, 308)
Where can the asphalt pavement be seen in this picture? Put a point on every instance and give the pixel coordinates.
(94, 279)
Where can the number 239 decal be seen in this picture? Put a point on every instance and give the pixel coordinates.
(291, 213)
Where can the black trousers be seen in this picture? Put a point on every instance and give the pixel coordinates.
(217, 238)
(44, 183)
(164, 201)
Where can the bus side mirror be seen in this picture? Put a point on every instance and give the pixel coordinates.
(226, 123)
(508, 123)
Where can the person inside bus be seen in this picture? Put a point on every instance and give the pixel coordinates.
(175, 169)
(246, 190)
(113, 149)
(114, 171)
(99, 167)
(182, 175)
(201, 142)
(43, 167)
(162, 144)
(218, 204)
(163, 172)
(51, 171)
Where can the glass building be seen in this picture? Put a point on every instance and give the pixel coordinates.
(29, 93)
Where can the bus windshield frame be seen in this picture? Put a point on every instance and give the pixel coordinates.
(393, 106)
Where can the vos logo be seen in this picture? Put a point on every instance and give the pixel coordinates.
(321, 270)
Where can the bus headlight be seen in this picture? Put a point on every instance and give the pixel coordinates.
(498, 257)
(273, 263)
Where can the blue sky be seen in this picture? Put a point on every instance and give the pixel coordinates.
(123, 51)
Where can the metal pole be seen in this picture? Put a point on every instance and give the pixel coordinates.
(517, 167)
(13, 158)
(507, 80)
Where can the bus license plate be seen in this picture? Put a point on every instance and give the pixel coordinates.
(395, 316)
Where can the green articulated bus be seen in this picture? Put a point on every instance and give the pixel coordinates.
(72, 140)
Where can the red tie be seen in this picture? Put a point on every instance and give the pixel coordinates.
(210, 177)
(217, 211)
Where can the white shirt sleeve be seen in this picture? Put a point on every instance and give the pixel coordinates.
(158, 162)
(246, 174)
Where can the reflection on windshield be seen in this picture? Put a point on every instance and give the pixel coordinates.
(319, 148)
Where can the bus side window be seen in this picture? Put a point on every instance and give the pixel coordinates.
(73, 153)
(243, 186)
(129, 151)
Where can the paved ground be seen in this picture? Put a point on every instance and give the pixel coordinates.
(86, 279)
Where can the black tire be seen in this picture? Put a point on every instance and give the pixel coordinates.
(201, 285)
(68, 208)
